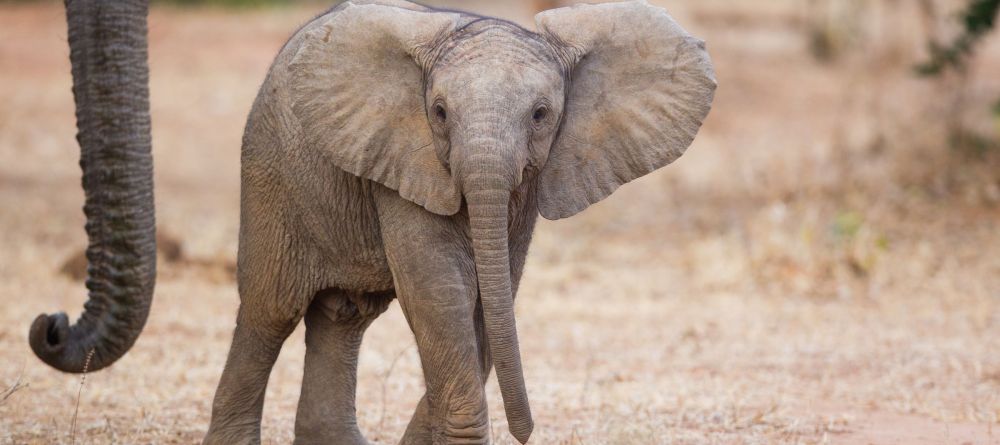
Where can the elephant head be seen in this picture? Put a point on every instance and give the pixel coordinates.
(445, 107)
(110, 85)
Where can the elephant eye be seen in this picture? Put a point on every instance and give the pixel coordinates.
(440, 113)
(539, 114)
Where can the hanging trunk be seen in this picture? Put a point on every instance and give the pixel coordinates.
(110, 85)
(488, 199)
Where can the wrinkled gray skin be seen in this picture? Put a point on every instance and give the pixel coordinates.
(400, 152)
(110, 86)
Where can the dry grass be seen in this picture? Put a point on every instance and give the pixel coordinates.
(819, 268)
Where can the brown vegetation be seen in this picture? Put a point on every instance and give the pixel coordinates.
(821, 267)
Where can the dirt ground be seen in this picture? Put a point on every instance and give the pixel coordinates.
(819, 268)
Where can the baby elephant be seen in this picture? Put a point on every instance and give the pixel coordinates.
(397, 151)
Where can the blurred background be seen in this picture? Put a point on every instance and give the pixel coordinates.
(822, 266)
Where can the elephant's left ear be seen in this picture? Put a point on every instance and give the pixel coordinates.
(640, 88)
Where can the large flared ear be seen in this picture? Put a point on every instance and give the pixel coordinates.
(356, 83)
(640, 86)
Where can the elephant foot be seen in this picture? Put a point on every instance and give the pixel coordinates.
(232, 438)
(350, 437)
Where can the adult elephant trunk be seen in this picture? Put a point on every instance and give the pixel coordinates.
(487, 191)
(110, 85)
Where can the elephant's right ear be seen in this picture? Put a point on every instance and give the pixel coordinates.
(356, 83)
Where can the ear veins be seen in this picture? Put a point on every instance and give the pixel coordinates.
(567, 54)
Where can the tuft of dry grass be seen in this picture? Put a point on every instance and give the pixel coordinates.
(14, 387)
(820, 268)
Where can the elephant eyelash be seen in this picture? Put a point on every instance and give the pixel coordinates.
(440, 113)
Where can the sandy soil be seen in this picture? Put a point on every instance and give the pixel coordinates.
(818, 269)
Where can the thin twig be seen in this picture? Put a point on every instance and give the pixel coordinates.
(385, 380)
(15, 387)
(587, 375)
(79, 392)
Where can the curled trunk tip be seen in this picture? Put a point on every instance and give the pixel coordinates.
(47, 337)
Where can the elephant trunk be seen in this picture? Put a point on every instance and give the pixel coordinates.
(487, 192)
(110, 86)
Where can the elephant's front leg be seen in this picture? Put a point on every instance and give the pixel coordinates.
(453, 410)
(435, 282)
(418, 432)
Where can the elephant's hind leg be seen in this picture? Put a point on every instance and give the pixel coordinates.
(273, 299)
(239, 400)
(335, 324)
